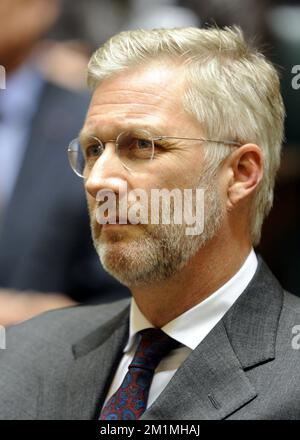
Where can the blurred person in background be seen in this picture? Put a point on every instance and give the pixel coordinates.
(249, 14)
(159, 14)
(46, 255)
(281, 243)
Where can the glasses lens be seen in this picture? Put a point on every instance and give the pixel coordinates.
(76, 158)
(134, 148)
(82, 157)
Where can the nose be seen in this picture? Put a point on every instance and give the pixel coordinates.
(107, 173)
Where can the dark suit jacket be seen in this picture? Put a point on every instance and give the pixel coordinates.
(45, 240)
(59, 365)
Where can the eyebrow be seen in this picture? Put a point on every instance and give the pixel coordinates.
(84, 135)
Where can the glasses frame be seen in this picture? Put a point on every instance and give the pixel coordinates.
(153, 139)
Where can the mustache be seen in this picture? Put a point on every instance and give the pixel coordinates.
(120, 210)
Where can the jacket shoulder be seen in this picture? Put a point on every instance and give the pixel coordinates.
(59, 328)
(40, 346)
(291, 302)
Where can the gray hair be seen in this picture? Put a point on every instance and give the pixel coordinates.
(231, 88)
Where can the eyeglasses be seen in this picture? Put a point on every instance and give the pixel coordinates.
(134, 150)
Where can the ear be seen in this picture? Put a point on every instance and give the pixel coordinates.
(245, 167)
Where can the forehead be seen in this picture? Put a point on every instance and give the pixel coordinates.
(144, 96)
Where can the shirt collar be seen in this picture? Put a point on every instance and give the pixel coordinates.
(192, 326)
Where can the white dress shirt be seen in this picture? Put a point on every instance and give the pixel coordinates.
(189, 329)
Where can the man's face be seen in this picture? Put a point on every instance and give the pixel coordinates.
(147, 98)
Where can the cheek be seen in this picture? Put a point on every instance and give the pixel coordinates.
(222, 186)
(175, 173)
(189, 169)
(91, 202)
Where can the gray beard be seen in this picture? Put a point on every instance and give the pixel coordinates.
(162, 250)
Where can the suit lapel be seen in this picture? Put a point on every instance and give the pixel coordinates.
(209, 385)
(213, 383)
(79, 395)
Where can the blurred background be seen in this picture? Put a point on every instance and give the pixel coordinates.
(46, 256)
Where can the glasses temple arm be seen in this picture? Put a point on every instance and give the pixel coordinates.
(159, 138)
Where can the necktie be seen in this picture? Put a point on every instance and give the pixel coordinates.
(130, 400)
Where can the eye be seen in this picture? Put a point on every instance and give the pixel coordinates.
(143, 144)
(93, 151)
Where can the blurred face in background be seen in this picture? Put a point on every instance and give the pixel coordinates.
(22, 24)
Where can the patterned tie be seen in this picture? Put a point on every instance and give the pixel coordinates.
(130, 400)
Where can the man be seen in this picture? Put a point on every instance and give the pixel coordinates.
(209, 333)
(46, 255)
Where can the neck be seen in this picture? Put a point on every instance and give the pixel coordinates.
(206, 272)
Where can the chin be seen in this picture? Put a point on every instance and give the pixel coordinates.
(112, 256)
(129, 263)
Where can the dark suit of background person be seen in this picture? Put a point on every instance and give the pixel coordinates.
(45, 242)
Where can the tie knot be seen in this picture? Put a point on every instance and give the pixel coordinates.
(153, 346)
